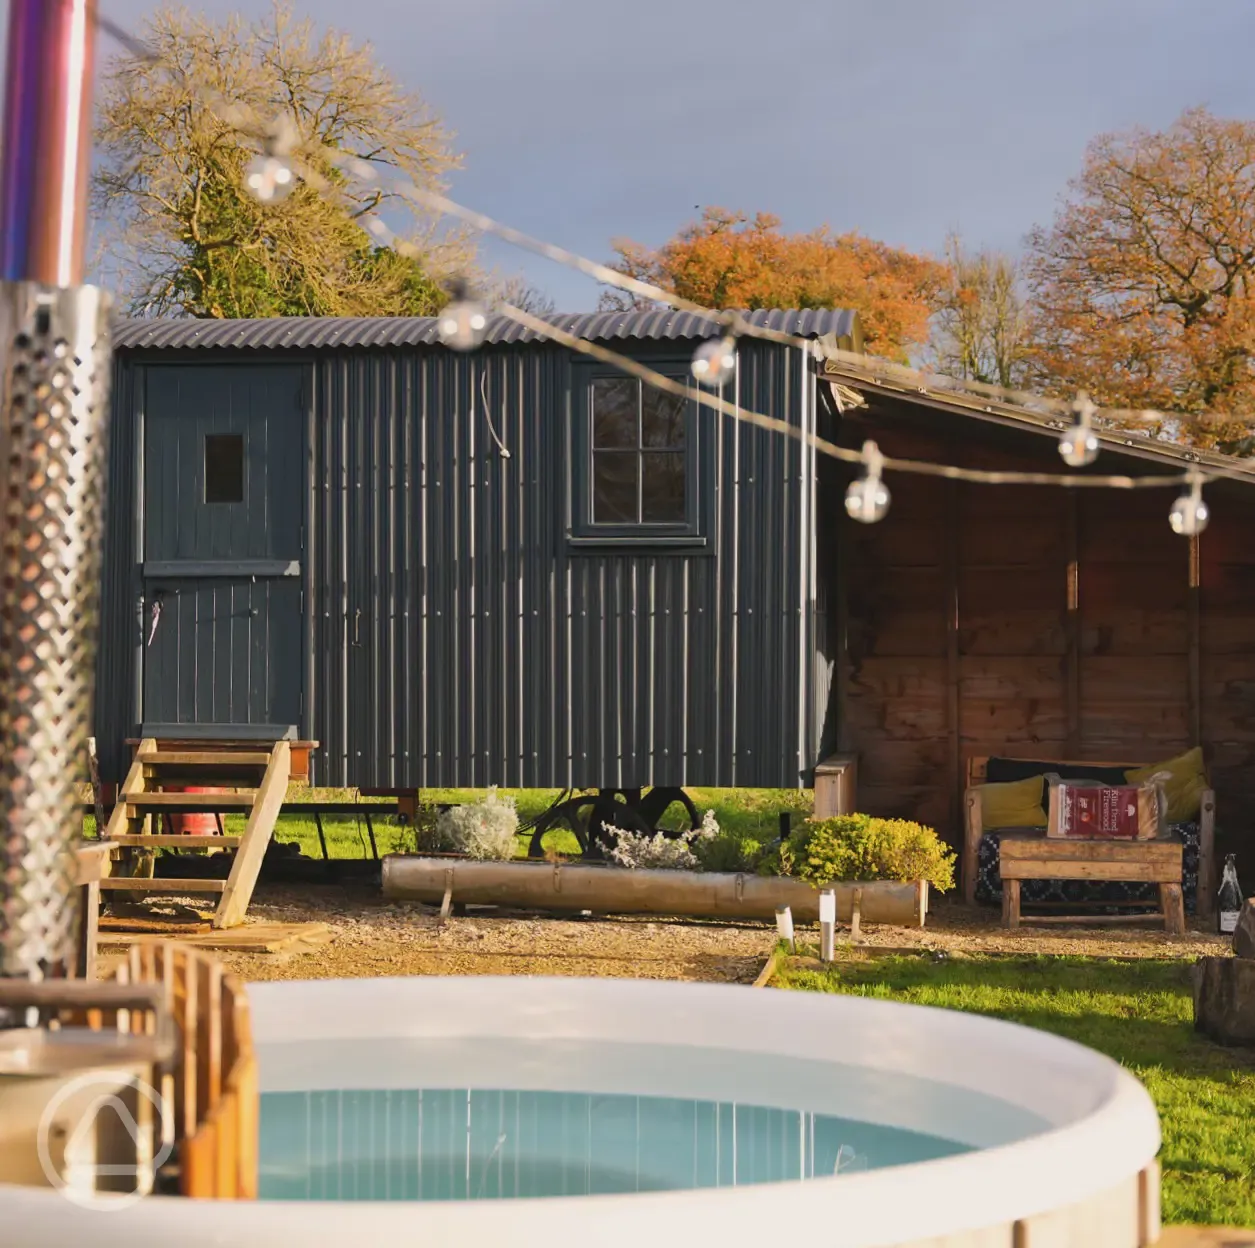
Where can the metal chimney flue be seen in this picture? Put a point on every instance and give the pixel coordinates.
(55, 361)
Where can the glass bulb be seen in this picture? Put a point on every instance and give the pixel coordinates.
(1190, 513)
(462, 325)
(714, 361)
(269, 179)
(1079, 446)
(867, 499)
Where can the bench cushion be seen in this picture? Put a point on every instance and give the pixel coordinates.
(1008, 770)
(1185, 788)
(1014, 805)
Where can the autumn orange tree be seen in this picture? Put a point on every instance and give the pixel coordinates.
(1142, 289)
(732, 260)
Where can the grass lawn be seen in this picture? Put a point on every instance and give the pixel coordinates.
(1139, 1013)
(754, 811)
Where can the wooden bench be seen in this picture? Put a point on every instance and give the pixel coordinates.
(1027, 857)
(977, 770)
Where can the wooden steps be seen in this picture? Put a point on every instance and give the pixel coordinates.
(126, 884)
(179, 840)
(253, 937)
(191, 801)
(256, 781)
(207, 758)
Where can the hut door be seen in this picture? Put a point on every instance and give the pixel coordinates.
(221, 611)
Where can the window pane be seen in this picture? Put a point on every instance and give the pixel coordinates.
(224, 468)
(615, 487)
(662, 487)
(662, 418)
(615, 402)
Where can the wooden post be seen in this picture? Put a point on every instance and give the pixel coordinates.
(1011, 903)
(89, 929)
(953, 706)
(836, 786)
(856, 916)
(1205, 900)
(1072, 625)
(841, 610)
(1193, 619)
(1173, 903)
(973, 826)
(446, 902)
(93, 771)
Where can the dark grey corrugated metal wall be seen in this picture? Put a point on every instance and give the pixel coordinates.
(119, 598)
(458, 640)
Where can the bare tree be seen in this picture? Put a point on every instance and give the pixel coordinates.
(521, 294)
(980, 330)
(181, 231)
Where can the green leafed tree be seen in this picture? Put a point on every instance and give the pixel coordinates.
(179, 232)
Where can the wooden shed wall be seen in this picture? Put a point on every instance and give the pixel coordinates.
(1037, 622)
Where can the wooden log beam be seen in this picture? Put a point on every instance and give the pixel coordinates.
(542, 886)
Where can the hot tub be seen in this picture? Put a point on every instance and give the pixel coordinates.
(543, 1112)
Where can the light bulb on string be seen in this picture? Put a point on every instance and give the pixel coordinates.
(1079, 444)
(269, 178)
(1190, 513)
(464, 321)
(714, 360)
(867, 499)
(270, 175)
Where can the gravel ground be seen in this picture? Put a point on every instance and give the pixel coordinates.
(374, 937)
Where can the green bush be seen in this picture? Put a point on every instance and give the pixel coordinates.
(862, 847)
(727, 850)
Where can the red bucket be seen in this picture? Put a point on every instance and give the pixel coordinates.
(200, 824)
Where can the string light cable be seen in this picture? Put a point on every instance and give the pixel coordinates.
(271, 137)
(824, 446)
(463, 325)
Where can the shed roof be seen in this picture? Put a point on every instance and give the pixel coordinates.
(870, 378)
(279, 332)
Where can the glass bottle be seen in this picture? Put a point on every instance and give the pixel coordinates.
(1230, 900)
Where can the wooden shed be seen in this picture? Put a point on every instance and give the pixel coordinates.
(344, 531)
(1033, 622)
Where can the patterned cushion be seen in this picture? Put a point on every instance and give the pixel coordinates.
(989, 882)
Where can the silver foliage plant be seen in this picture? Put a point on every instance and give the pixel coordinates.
(640, 851)
(484, 830)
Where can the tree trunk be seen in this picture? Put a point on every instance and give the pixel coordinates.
(1224, 999)
(1244, 935)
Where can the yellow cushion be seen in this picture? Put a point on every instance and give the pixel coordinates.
(1017, 804)
(1185, 787)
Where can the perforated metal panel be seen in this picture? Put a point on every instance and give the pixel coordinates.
(53, 420)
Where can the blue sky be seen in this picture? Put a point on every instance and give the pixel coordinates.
(585, 120)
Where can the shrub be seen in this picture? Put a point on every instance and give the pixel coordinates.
(484, 830)
(863, 847)
(727, 851)
(428, 833)
(639, 850)
(647, 852)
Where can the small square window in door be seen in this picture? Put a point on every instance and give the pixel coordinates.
(224, 468)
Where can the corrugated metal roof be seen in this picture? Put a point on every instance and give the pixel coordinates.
(950, 395)
(278, 332)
